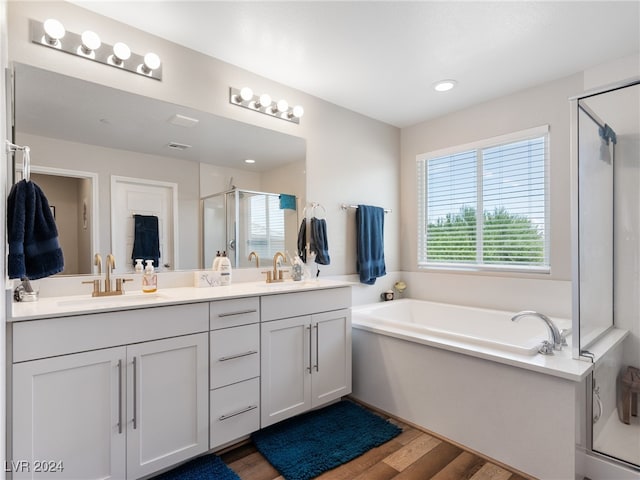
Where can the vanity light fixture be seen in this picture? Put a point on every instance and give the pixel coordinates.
(264, 104)
(121, 53)
(444, 85)
(150, 63)
(90, 43)
(249, 160)
(51, 33)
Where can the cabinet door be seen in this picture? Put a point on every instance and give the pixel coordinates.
(286, 367)
(67, 411)
(331, 354)
(167, 402)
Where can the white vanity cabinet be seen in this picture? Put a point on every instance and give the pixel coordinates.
(306, 351)
(111, 411)
(234, 369)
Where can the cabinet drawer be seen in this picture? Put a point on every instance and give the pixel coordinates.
(235, 412)
(234, 312)
(61, 336)
(235, 354)
(296, 304)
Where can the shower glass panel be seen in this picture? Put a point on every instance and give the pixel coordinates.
(609, 259)
(241, 221)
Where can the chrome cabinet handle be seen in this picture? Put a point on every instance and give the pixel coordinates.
(317, 327)
(119, 396)
(237, 355)
(241, 312)
(309, 367)
(135, 393)
(239, 412)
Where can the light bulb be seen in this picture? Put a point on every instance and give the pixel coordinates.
(246, 94)
(444, 85)
(265, 100)
(53, 31)
(282, 106)
(121, 52)
(90, 42)
(151, 61)
(297, 112)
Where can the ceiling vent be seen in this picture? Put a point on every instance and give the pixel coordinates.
(178, 146)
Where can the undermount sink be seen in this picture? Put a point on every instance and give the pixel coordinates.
(113, 300)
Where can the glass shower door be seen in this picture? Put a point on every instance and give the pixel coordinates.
(609, 259)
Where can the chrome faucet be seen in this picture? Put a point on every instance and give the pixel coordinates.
(557, 337)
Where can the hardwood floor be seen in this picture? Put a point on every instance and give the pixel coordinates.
(412, 455)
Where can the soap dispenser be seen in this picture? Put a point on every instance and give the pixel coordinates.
(225, 269)
(216, 262)
(150, 278)
(139, 268)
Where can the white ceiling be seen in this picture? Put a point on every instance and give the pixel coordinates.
(381, 58)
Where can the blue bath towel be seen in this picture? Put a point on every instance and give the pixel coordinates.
(370, 243)
(318, 240)
(34, 251)
(146, 239)
(287, 201)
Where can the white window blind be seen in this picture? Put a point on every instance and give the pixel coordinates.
(505, 179)
(266, 225)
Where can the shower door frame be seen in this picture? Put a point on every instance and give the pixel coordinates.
(577, 351)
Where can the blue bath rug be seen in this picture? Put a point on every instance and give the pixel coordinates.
(303, 447)
(207, 467)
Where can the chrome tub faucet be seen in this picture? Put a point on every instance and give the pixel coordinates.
(557, 337)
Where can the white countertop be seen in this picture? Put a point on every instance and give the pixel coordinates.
(49, 307)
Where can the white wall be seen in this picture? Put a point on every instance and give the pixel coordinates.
(350, 158)
(545, 104)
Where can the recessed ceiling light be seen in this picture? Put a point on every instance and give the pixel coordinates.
(183, 121)
(444, 85)
(249, 160)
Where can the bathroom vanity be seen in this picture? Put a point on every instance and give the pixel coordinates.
(129, 387)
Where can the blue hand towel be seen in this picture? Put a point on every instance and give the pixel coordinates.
(287, 201)
(370, 243)
(318, 241)
(146, 239)
(34, 251)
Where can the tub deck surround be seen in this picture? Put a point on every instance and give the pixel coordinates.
(51, 307)
(480, 333)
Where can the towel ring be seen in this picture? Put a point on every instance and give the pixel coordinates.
(313, 207)
(26, 164)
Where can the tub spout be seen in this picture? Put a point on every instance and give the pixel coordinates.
(557, 337)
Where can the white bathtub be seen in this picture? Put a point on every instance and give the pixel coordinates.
(467, 325)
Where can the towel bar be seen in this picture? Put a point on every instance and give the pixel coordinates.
(344, 206)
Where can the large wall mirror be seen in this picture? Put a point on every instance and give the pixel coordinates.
(102, 154)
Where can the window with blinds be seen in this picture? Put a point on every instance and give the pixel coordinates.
(265, 225)
(485, 206)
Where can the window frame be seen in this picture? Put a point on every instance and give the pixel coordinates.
(422, 197)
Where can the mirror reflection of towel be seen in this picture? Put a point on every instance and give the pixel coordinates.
(318, 240)
(34, 251)
(146, 239)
